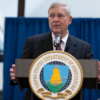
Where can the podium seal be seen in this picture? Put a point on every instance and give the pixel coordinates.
(55, 75)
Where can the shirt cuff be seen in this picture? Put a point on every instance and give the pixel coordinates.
(14, 81)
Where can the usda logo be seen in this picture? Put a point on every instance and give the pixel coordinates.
(55, 75)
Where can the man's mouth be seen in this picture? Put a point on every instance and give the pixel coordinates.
(56, 25)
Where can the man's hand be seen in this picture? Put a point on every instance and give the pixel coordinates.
(98, 71)
(12, 72)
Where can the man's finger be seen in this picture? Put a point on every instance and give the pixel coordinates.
(12, 70)
(13, 66)
(12, 74)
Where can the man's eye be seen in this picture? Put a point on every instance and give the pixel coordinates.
(51, 15)
(60, 15)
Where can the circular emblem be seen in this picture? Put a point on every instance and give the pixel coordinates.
(55, 75)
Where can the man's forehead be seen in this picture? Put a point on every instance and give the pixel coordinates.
(58, 9)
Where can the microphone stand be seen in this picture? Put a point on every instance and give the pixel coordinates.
(55, 45)
(56, 48)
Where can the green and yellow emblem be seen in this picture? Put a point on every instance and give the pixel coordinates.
(55, 78)
(55, 75)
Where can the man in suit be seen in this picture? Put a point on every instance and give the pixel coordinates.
(59, 19)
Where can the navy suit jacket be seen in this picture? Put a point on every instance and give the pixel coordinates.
(38, 44)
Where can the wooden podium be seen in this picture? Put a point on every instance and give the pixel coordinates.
(90, 73)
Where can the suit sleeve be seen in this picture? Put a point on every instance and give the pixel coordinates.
(27, 50)
(89, 54)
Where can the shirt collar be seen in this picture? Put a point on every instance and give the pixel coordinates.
(64, 39)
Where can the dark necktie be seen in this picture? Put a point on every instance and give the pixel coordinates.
(59, 46)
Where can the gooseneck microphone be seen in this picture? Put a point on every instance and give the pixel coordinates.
(57, 40)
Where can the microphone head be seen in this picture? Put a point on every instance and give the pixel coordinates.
(57, 40)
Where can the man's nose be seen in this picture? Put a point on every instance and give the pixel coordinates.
(56, 18)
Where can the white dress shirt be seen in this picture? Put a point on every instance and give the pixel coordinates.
(64, 41)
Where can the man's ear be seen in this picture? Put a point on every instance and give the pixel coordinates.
(70, 19)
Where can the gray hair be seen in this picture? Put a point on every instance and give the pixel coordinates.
(60, 3)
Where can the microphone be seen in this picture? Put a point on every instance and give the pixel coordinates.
(57, 40)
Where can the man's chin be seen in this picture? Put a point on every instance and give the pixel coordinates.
(56, 32)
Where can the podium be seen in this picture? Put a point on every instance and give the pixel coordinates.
(89, 67)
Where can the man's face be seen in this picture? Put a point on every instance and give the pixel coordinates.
(59, 20)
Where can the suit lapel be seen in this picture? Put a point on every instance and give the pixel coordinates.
(47, 42)
(70, 45)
